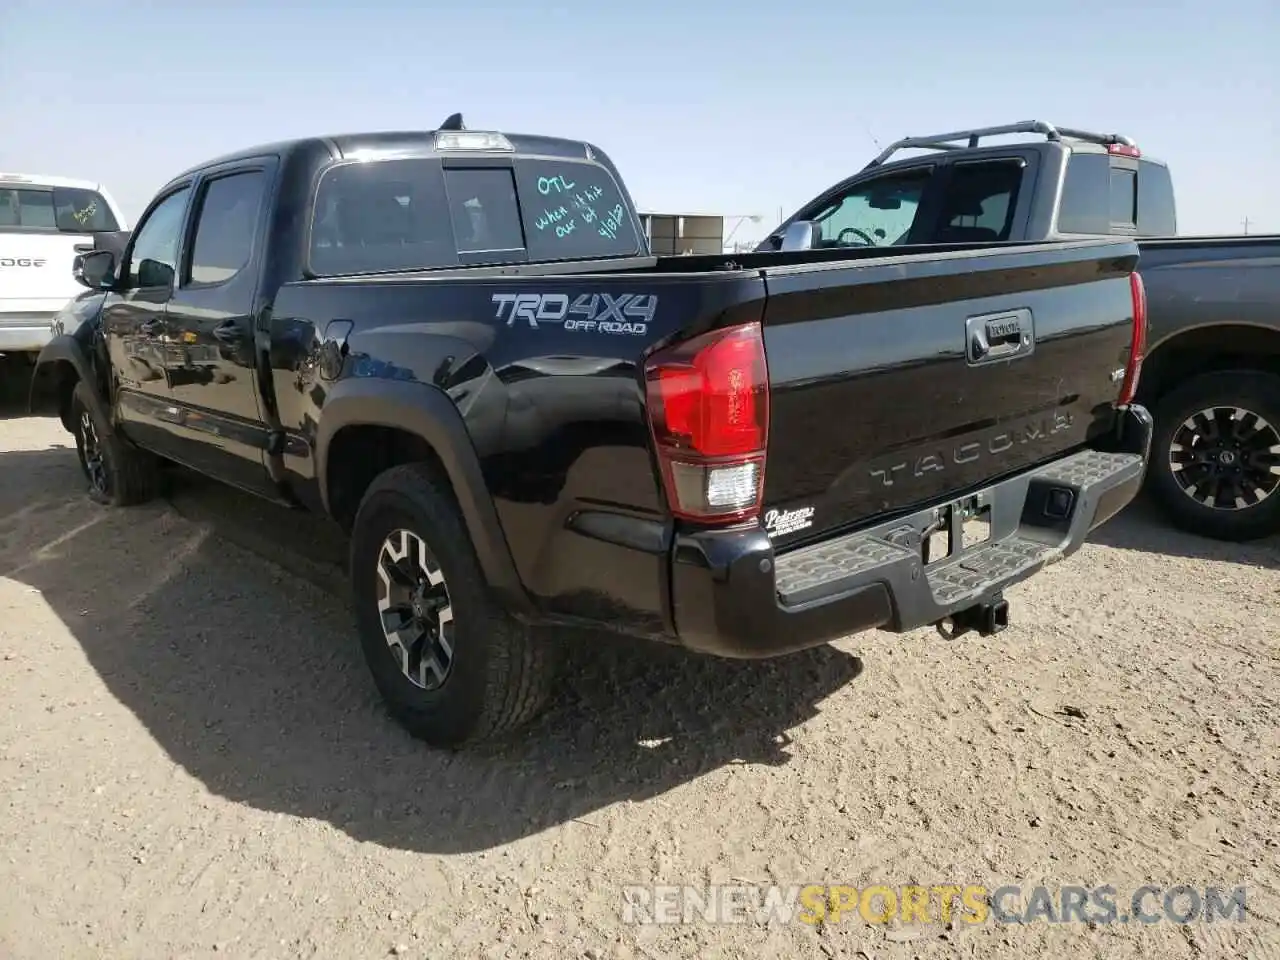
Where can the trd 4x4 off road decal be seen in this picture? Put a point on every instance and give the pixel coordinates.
(623, 313)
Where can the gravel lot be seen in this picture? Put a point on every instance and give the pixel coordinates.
(193, 762)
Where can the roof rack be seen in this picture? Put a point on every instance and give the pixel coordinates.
(946, 141)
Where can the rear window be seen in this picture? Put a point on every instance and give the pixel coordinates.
(1124, 197)
(384, 216)
(572, 211)
(484, 210)
(1157, 215)
(416, 214)
(1097, 197)
(60, 209)
(1086, 195)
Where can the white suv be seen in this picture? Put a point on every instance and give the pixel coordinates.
(42, 222)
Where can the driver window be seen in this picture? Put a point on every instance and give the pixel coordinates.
(155, 249)
(875, 213)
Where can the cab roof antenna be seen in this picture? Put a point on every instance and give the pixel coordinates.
(453, 122)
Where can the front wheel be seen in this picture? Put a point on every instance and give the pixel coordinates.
(452, 666)
(119, 473)
(1215, 456)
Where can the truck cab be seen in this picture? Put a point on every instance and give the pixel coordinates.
(1071, 185)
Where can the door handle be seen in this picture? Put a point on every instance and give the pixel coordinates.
(151, 327)
(228, 331)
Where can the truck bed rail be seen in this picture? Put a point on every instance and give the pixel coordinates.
(972, 138)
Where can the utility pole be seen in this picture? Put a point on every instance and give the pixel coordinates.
(1246, 226)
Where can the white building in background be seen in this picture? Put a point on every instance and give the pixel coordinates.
(673, 234)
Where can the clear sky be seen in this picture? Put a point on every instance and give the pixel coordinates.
(728, 106)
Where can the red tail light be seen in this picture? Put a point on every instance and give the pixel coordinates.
(708, 402)
(1138, 346)
(1123, 150)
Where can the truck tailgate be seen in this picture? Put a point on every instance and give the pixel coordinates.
(899, 382)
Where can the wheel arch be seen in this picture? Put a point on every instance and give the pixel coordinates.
(370, 425)
(65, 361)
(1212, 348)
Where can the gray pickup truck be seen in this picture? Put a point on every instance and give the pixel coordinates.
(1211, 374)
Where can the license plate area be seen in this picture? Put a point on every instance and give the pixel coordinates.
(977, 526)
(960, 527)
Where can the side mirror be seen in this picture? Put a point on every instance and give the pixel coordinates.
(95, 269)
(800, 235)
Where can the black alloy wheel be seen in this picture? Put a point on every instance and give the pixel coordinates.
(95, 467)
(417, 616)
(1226, 458)
(119, 474)
(451, 664)
(1215, 455)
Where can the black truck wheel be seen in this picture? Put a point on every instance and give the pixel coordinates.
(119, 473)
(451, 665)
(1215, 456)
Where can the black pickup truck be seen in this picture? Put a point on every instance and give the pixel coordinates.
(455, 344)
(1211, 375)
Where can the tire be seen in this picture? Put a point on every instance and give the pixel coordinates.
(119, 474)
(1251, 456)
(491, 675)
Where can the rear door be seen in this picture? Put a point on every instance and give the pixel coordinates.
(220, 428)
(986, 200)
(933, 199)
(40, 228)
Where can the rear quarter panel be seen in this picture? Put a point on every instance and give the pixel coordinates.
(552, 401)
(1199, 282)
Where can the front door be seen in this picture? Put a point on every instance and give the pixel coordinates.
(211, 367)
(133, 321)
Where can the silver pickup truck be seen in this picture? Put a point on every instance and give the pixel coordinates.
(1211, 373)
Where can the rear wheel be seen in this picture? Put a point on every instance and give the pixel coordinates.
(451, 665)
(119, 473)
(1215, 458)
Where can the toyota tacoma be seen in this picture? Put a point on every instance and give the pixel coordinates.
(456, 345)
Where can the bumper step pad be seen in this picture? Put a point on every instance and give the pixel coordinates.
(1024, 537)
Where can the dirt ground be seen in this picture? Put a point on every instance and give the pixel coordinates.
(193, 762)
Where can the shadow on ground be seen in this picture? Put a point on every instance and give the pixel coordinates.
(250, 679)
(15, 386)
(17, 378)
(1143, 527)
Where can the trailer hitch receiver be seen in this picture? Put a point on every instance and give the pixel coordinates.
(987, 618)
